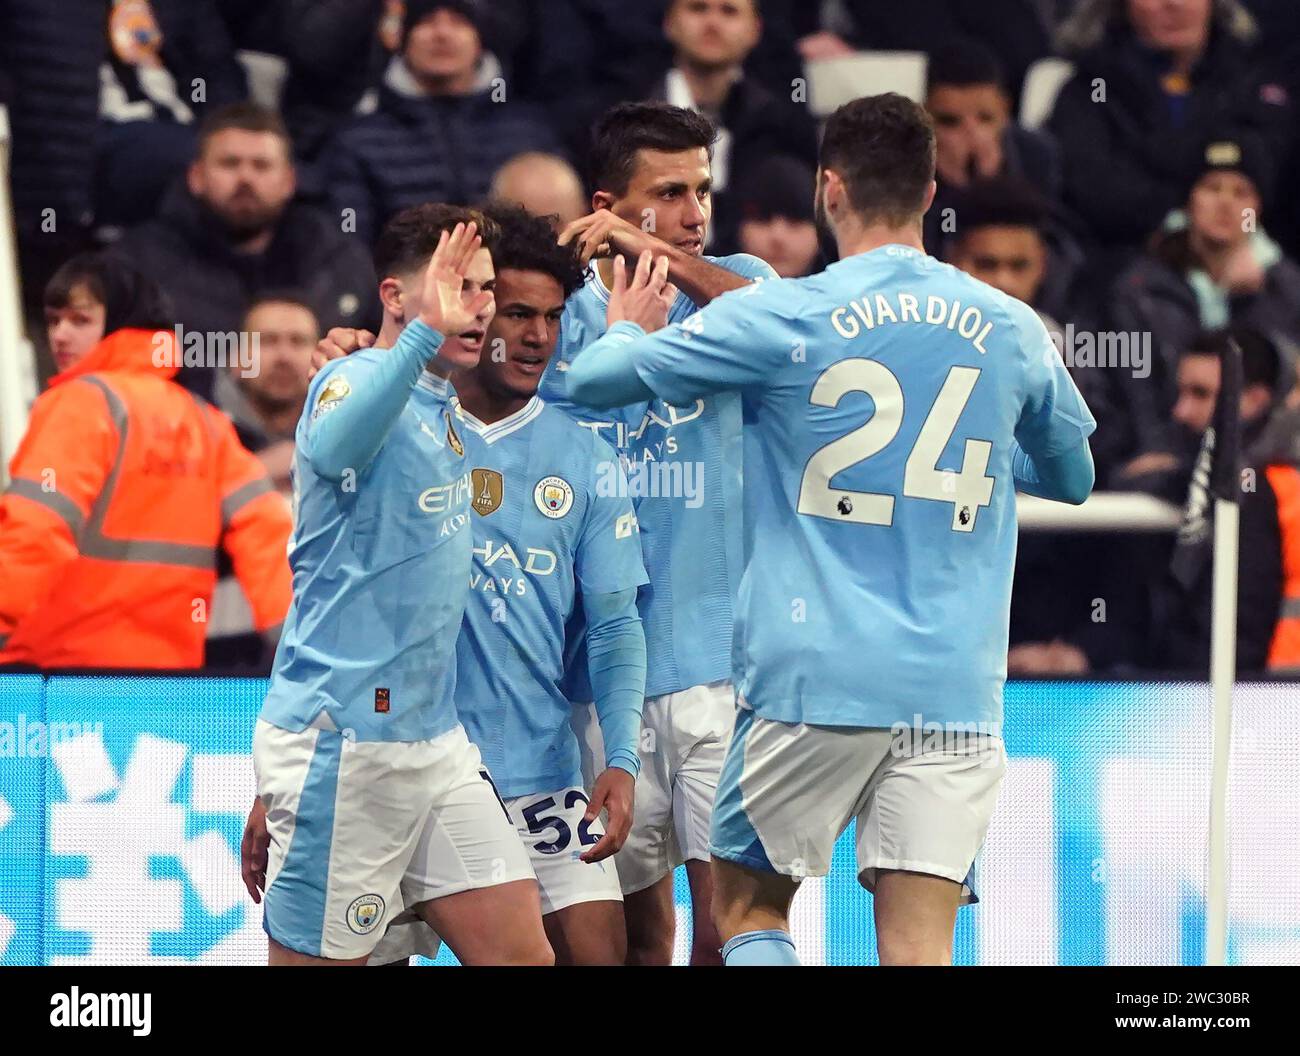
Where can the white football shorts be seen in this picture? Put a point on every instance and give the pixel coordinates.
(922, 803)
(684, 739)
(553, 833)
(359, 830)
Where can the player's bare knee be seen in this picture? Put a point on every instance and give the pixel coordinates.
(907, 950)
(650, 950)
(748, 900)
(650, 938)
(531, 951)
(727, 917)
(598, 949)
(605, 953)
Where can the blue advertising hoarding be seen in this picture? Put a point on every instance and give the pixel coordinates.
(122, 802)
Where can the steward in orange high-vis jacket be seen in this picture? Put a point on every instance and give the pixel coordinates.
(120, 493)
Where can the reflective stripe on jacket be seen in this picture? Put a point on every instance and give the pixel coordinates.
(121, 490)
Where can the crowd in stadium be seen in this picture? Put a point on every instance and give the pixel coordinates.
(1146, 220)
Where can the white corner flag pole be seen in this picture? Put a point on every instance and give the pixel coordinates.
(1223, 672)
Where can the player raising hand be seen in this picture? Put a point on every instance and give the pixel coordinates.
(892, 405)
(371, 790)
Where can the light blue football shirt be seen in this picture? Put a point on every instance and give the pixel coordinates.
(683, 466)
(380, 550)
(881, 399)
(547, 521)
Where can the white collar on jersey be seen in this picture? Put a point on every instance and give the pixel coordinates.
(598, 284)
(490, 434)
(432, 383)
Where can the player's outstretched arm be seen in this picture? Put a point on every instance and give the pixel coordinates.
(608, 378)
(1066, 477)
(616, 659)
(353, 406)
(701, 280)
(605, 374)
(1050, 457)
(743, 340)
(602, 234)
(351, 416)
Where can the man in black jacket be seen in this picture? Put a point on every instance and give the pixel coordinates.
(79, 142)
(232, 232)
(1212, 266)
(711, 40)
(1147, 91)
(1182, 612)
(447, 120)
(976, 138)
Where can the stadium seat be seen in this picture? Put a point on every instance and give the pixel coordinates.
(1043, 82)
(266, 75)
(833, 82)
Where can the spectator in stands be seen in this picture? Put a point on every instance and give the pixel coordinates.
(166, 62)
(1279, 53)
(1269, 565)
(122, 490)
(544, 184)
(1210, 266)
(1153, 79)
(1004, 237)
(621, 47)
(975, 137)
(233, 232)
(711, 40)
(623, 51)
(1279, 439)
(334, 51)
(1000, 239)
(265, 403)
(94, 93)
(775, 205)
(445, 123)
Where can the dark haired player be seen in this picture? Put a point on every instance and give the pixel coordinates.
(650, 164)
(364, 772)
(551, 527)
(892, 405)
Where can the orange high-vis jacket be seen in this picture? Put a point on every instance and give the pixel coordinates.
(1284, 653)
(120, 493)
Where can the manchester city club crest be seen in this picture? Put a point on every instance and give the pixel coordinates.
(553, 496)
(365, 913)
(487, 487)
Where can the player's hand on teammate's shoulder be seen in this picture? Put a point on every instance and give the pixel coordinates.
(253, 851)
(612, 793)
(442, 307)
(602, 234)
(646, 298)
(339, 342)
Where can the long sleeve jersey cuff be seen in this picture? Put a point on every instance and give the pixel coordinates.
(605, 374)
(1067, 477)
(616, 660)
